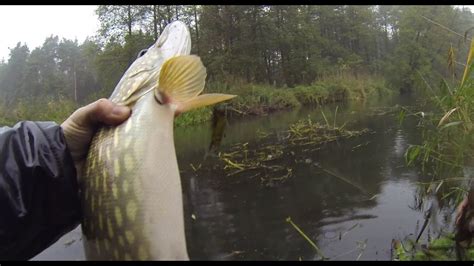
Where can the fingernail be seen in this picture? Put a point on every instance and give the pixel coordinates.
(120, 110)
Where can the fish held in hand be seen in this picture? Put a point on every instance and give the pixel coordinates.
(131, 189)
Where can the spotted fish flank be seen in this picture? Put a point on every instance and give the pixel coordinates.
(131, 210)
(131, 191)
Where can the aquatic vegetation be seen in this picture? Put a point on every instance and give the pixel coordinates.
(448, 139)
(306, 132)
(440, 249)
(446, 154)
(241, 160)
(269, 159)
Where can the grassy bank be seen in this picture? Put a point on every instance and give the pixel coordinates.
(38, 110)
(253, 99)
(257, 99)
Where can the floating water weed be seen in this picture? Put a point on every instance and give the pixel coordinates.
(265, 160)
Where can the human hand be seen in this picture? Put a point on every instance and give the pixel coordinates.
(79, 128)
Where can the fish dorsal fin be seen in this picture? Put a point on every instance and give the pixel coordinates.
(182, 79)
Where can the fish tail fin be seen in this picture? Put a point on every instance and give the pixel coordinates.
(182, 79)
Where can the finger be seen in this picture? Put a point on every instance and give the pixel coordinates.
(102, 111)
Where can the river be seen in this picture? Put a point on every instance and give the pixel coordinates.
(246, 220)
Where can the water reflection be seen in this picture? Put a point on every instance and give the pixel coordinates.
(399, 146)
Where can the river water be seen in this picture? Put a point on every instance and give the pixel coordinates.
(245, 220)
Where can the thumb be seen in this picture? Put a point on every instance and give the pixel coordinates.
(102, 111)
(81, 125)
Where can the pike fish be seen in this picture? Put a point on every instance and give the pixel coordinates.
(131, 189)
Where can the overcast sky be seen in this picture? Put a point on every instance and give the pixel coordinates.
(33, 24)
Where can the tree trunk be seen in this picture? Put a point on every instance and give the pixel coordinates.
(197, 28)
(168, 17)
(160, 19)
(155, 22)
(75, 85)
(129, 21)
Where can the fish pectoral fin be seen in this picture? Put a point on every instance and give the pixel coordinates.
(203, 100)
(181, 78)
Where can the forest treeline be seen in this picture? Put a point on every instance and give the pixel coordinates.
(279, 46)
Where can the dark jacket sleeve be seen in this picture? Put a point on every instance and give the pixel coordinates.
(39, 199)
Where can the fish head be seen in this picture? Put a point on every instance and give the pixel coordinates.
(143, 73)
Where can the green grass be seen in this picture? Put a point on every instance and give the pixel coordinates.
(193, 117)
(259, 99)
(448, 139)
(37, 110)
(253, 99)
(440, 249)
(446, 149)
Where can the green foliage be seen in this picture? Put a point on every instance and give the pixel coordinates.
(118, 21)
(448, 141)
(261, 99)
(313, 94)
(411, 154)
(440, 249)
(297, 54)
(193, 117)
(38, 110)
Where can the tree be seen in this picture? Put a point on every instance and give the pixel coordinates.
(69, 59)
(89, 81)
(276, 45)
(118, 21)
(52, 81)
(14, 73)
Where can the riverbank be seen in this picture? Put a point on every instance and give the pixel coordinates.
(39, 110)
(259, 99)
(252, 100)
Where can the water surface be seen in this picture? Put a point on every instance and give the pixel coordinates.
(244, 220)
